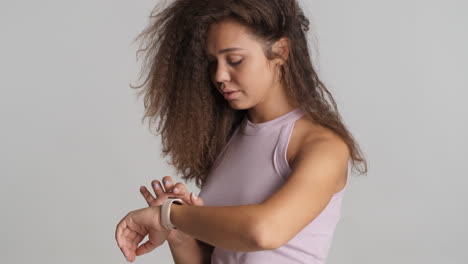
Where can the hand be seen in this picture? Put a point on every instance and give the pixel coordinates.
(163, 193)
(175, 235)
(135, 226)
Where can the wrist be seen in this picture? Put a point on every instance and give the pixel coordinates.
(173, 215)
(166, 210)
(178, 238)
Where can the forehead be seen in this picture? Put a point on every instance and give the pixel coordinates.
(228, 34)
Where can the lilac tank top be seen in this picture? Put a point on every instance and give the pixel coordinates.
(250, 168)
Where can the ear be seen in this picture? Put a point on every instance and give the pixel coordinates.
(281, 47)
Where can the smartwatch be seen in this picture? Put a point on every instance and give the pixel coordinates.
(166, 212)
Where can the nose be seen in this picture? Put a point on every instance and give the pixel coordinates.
(221, 74)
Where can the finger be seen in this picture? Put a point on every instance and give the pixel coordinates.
(196, 200)
(128, 248)
(136, 239)
(128, 254)
(157, 188)
(145, 248)
(167, 181)
(180, 190)
(121, 226)
(147, 195)
(122, 239)
(129, 234)
(132, 238)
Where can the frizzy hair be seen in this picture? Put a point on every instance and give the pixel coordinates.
(195, 121)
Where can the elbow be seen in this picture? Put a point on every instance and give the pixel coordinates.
(264, 237)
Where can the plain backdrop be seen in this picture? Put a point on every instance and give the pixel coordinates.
(74, 151)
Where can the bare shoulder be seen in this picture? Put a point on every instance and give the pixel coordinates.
(307, 135)
(307, 131)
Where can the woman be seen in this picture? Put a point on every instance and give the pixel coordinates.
(244, 114)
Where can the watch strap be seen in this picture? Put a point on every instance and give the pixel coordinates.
(166, 212)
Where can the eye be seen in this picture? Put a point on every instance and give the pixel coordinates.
(236, 63)
(212, 63)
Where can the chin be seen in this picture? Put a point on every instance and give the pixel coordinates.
(236, 105)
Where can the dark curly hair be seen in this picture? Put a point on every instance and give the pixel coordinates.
(196, 121)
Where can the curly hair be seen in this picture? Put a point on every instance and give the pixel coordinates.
(195, 122)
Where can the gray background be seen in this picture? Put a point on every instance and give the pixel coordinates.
(74, 152)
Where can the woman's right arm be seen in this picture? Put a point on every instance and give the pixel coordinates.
(190, 251)
(184, 248)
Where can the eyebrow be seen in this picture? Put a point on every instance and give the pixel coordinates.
(227, 50)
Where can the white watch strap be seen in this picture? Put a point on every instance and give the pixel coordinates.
(166, 212)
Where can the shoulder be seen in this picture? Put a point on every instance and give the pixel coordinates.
(313, 139)
(318, 172)
(310, 135)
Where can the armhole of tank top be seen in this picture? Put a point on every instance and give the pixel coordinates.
(348, 178)
(341, 192)
(281, 164)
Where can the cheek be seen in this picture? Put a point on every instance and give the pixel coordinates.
(254, 79)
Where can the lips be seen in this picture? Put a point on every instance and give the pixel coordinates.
(231, 95)
(229, 91)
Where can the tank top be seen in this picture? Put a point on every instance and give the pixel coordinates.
(250, 168)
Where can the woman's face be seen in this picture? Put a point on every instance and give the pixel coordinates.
(237, 63)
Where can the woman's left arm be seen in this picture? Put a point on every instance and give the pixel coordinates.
(318, 169)
(230, 227)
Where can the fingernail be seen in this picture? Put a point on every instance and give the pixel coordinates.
(175, 190)
(166, 182)
(195, 196)
(156, 186)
